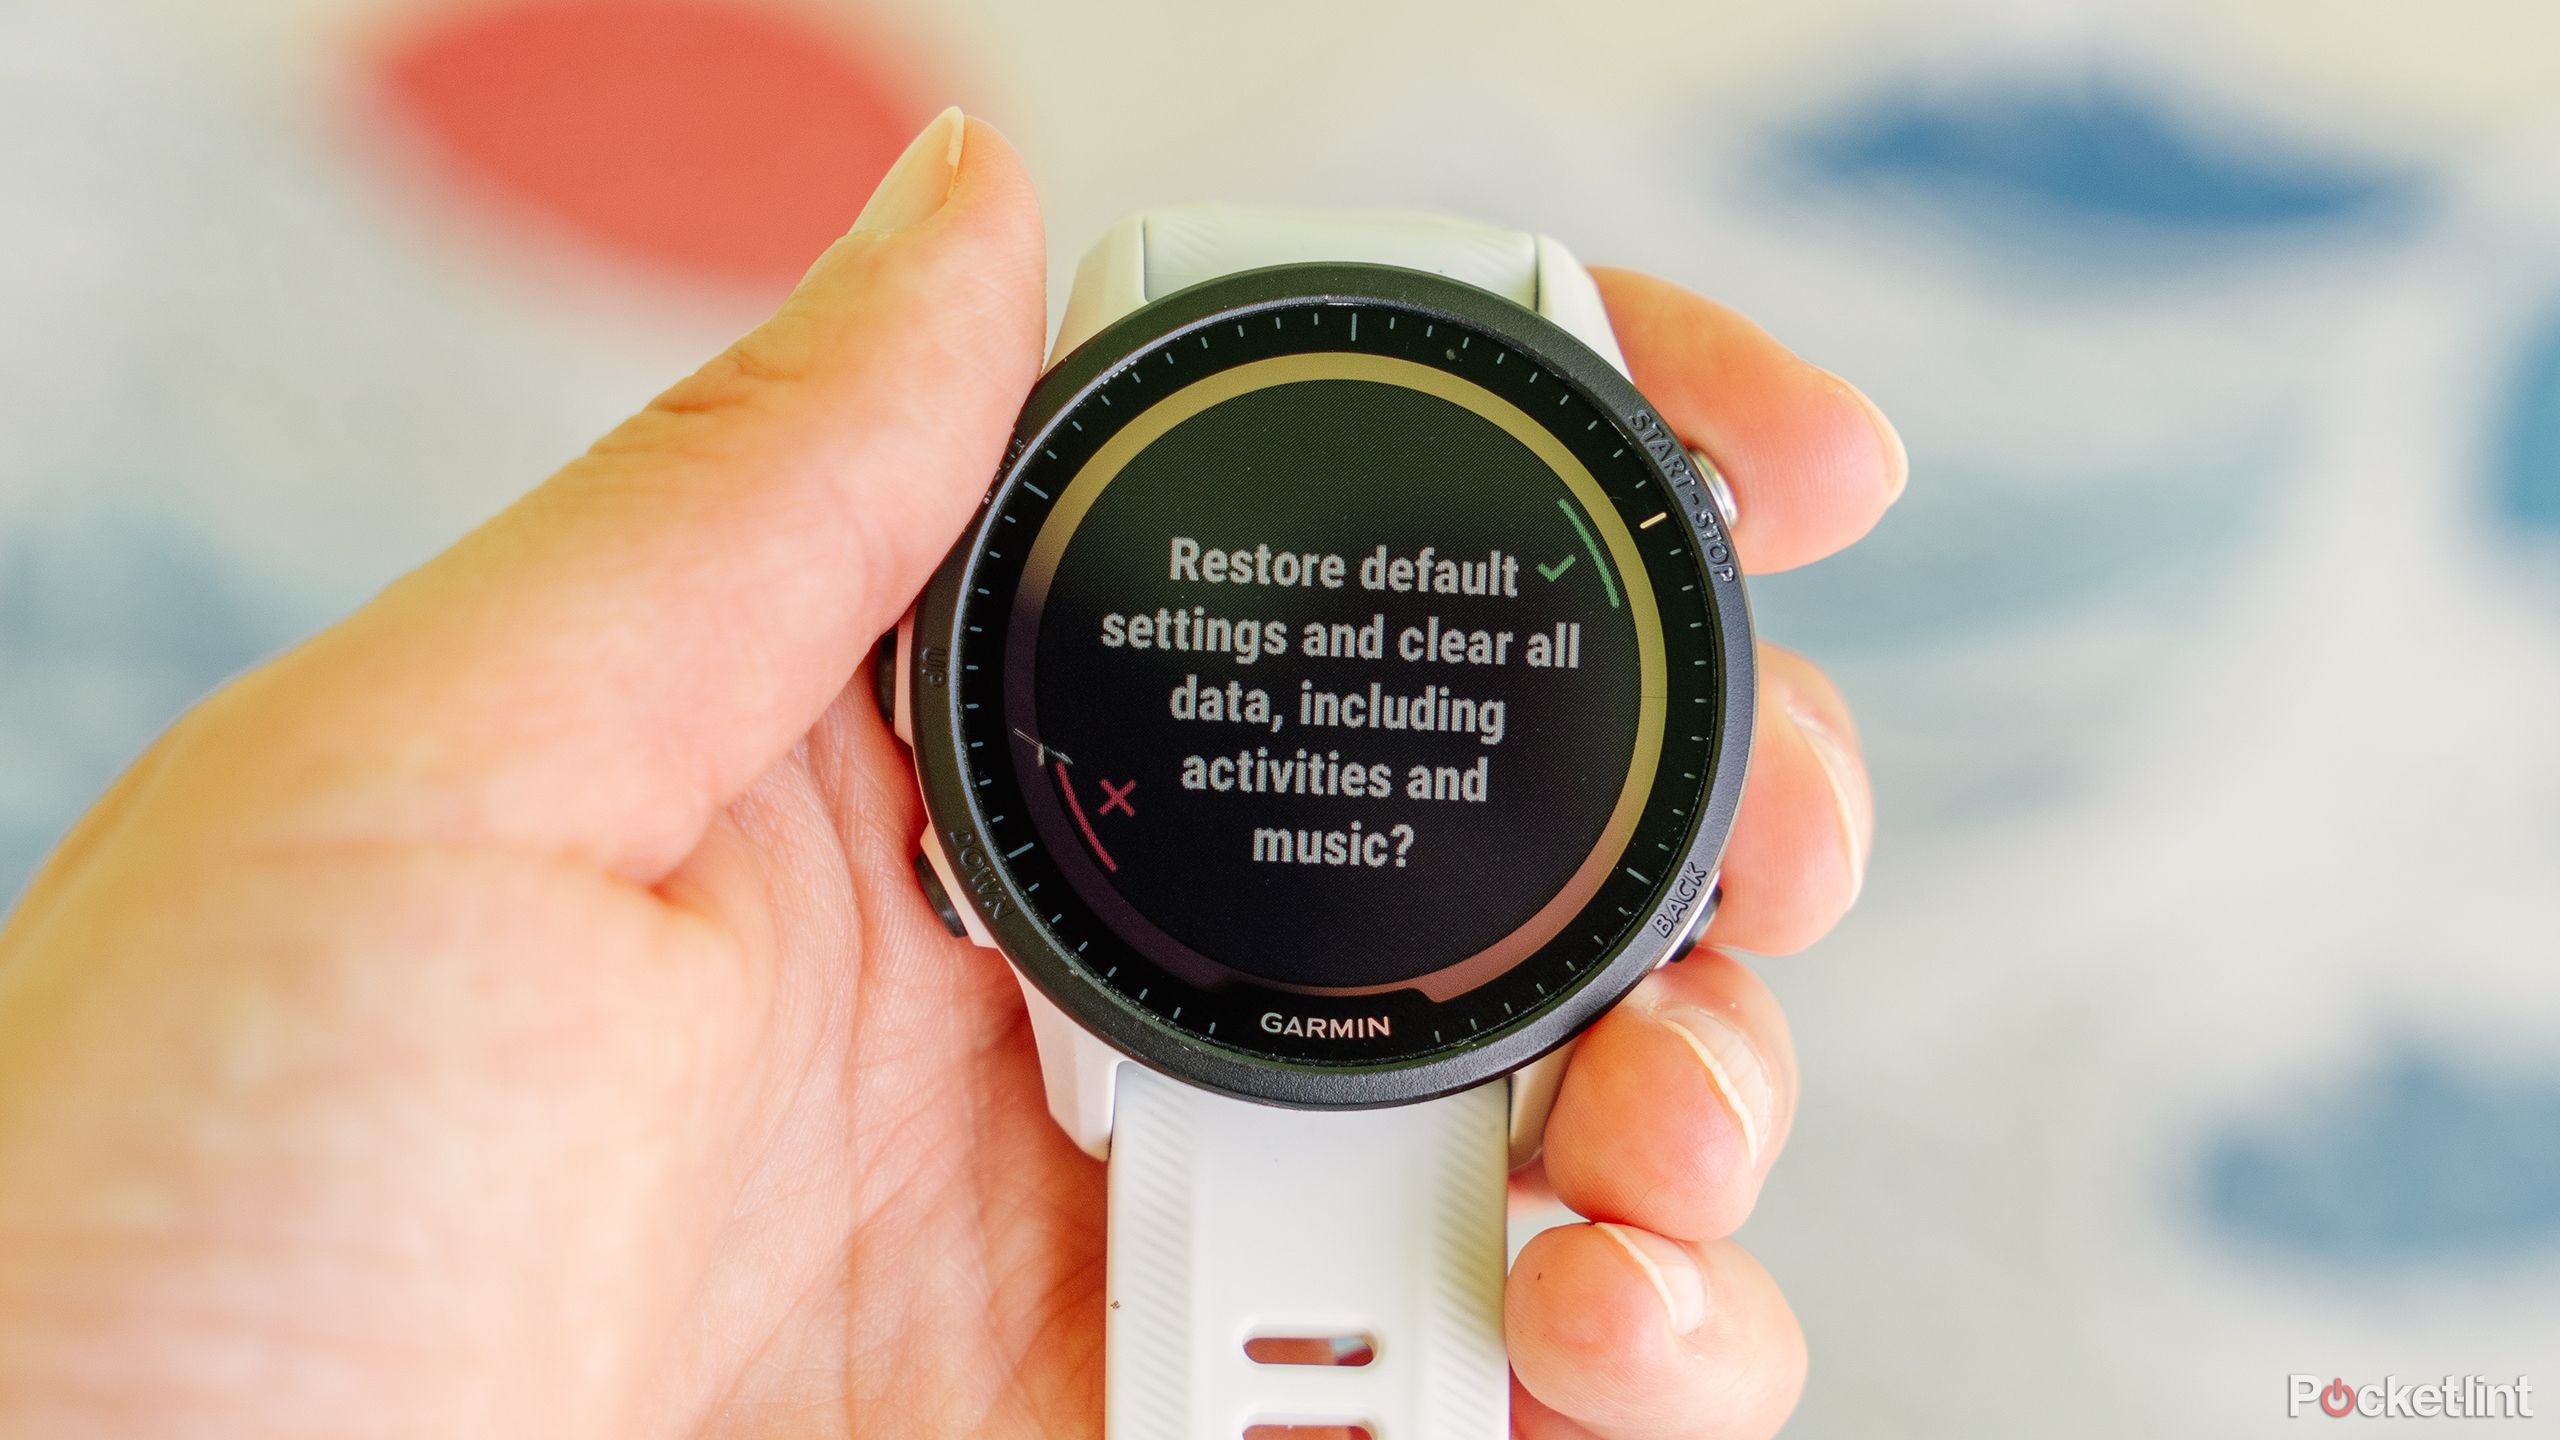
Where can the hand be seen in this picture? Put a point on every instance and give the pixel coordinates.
(511, 1013)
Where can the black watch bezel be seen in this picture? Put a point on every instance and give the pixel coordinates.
(985, 880)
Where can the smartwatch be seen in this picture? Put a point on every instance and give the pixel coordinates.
(1340, 700)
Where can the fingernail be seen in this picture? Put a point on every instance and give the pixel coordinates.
(917, 185)
(1734, 1068)
(1897, 460)
(1838, 764)
(1668, 1268)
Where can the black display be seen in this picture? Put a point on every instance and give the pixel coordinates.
(1339, 683)
(1335, 684)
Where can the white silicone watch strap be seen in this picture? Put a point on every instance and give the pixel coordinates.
(1186, 244)
(1232, 1221)
(1151, 255)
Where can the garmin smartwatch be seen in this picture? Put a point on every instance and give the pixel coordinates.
(1340, 701)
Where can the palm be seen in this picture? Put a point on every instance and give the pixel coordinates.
(942, 1272)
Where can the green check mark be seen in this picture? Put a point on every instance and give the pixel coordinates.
(1558, 568)
(1597, 564)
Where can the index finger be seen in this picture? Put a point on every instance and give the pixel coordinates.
(1812, 462)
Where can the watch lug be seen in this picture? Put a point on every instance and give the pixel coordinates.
(1080, 1073)
(1533, 1096)
(1567, 296)
(1111, 281)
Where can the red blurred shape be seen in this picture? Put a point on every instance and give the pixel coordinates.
(722, 141)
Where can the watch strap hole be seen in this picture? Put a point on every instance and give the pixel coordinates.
(1298, 1349)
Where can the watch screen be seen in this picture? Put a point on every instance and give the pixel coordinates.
(1331, 680)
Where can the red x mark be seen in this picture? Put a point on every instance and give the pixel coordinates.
(1118, 795)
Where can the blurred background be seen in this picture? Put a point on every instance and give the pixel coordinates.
(2201, 1023)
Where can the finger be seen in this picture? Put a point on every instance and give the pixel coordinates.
(601, 667)
(1624, 1333)
(1676, 1104)
(1800, 841)
(1812, 462)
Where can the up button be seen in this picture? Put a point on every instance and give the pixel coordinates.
(889, 666)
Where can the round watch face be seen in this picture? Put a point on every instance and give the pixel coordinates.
(1342, 697)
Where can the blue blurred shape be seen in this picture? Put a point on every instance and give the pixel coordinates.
(2095, 153)
(2418, 1160)
(2528, 482)
(1988, 544)
(110, 625)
